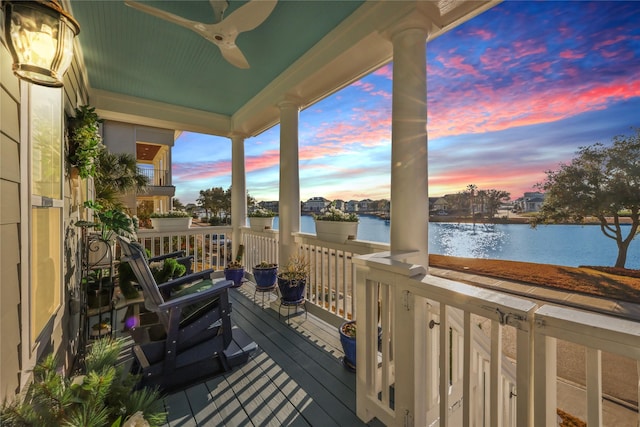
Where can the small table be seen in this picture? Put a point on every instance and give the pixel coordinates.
(301, 302)
(262, 290)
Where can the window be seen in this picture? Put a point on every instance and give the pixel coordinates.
(45, 153)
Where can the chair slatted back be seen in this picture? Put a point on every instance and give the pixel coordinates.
(136, 259)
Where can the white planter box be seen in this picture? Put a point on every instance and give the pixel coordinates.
(261, 223)
(336, 231)
(171, 224)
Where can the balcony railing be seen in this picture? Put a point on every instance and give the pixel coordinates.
(157, 177)
(210, 246)
(450, 354)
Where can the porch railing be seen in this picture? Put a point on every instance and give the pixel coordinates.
(209, 246)
(415, 374)
(427, 369)
(157, 177)
(331, 287)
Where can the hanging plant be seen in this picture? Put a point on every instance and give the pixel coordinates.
(85, 142)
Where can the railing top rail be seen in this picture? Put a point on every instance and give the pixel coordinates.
(190, 231)
(355, 246)
(590, 329)
(506, 309)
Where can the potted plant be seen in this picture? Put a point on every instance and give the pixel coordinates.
(334, 225)
(292, 280)
(170, 221)
(101, 394)
(234, 271)
(111, 222)
(261, 219)
(265, 274)
(85, 142)
(348, 340)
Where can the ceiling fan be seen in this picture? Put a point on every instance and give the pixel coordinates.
(223, 31)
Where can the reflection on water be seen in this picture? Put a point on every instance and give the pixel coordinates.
(469, 240)
(570, 245)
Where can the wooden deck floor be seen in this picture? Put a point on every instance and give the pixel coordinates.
(294, 378)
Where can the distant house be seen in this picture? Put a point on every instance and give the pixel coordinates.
(440, 204)
(270, 205)
(530, 202)
(351, 206)
(363, 205)
(340, 204)
(315, 204)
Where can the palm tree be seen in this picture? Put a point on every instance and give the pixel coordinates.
(117, 174)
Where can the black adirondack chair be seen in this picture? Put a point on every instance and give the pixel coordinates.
(197, 339)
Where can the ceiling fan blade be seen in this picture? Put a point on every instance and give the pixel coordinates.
(233, 55)
(218, 6)
(250, 15)
(167, 16)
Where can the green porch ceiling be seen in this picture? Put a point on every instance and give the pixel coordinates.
(132, 53)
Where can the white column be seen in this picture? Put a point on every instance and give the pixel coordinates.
(238, 190)
(289, 209)
(409, 193)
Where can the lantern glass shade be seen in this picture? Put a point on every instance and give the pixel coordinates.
(40, 36)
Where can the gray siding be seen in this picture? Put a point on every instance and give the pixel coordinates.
(9, 227)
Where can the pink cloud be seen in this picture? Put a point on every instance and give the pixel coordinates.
(571, 54)
(384, 71)
(482, 34)
(609, 42)
(540, 67)
(454, 66)
(468, 113)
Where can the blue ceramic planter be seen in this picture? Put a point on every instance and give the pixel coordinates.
(291, 291)
(265, 277)
(234, 274)
(348, 347)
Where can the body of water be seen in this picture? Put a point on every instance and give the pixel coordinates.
(569, 245)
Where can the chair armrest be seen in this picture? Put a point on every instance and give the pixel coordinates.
(217, 289)
(169, 255)
(189, 278)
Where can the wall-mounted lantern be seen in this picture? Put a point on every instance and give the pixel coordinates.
(39, 34)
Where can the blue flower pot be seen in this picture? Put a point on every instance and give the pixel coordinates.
(348, 347)
(291, 291)
(265, 277)
(234, 274)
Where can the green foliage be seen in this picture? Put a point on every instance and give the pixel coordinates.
(110, 221)
(265, 265)
(117, 174)
(85, 142)
(100, 397)
(297, 268)
(162, 271)
(601, 182)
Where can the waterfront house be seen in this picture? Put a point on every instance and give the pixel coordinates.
(139, 70)
(315, 204)
(151, 147)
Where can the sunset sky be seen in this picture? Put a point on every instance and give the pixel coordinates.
(512, 93)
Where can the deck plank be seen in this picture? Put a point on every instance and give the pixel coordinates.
(307, 364)
(179, 410)
(277, 402)
(294, 378)
(229, 408)
(203, 406)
